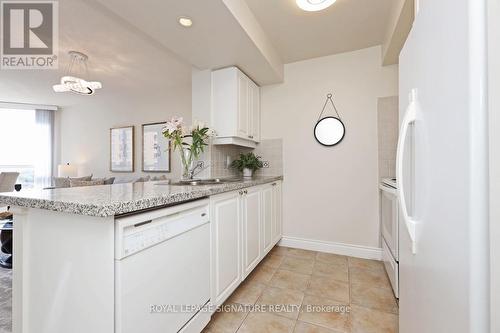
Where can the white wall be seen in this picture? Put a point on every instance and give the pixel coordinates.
(330, 194)
(85, 127)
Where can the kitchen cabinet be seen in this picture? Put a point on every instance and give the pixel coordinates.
(267, 218)
(235, 108)
(277, 230)
(251, 220)
(271, 215)
(246, 224)
(253, 111)
(226, 245)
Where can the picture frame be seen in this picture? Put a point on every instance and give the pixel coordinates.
(156, 150)
(122, 143)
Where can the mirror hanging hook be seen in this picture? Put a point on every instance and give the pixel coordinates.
(329, 98)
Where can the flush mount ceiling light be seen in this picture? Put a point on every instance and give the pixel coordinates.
(72, 80)
(185, 21)
(314, 5)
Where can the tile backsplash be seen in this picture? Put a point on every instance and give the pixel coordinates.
(388, 123)
(270, 150)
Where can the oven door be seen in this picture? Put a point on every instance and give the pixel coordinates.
(389, 218)
(391, 267)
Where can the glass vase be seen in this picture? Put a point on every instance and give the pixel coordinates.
(187, 163)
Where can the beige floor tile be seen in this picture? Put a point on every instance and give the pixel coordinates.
(376, 298)
(247, 293)
(279, 250)
(331, 258)
(273, 260)
(296, 264)
(336, 271)
(366, 320)
(225, 322)
(366, 264)
(327, 287)
(262, 274)
(369, 277)
(302, 327)
(306, 254)
(325, 312)
(282, 297)
(257, 322)
(290, 280)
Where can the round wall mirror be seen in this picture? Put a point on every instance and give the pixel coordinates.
(329, 131)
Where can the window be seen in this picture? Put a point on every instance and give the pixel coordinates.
(26, 141)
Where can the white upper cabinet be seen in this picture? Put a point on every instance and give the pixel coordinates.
(235, 108)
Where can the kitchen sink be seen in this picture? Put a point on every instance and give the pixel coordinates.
(210, 181)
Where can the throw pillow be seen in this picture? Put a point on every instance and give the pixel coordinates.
(79, 183)
(65, 181)
(162, 177)
(142, 179)
(107, 181)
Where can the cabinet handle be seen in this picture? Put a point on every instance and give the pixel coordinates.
(240, 192)
(246, 192)
(250, 136)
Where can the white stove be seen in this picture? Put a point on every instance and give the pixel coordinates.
(389, 212)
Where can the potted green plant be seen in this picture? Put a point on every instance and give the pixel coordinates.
(247, 163)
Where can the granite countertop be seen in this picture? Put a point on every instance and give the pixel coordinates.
(111, 200)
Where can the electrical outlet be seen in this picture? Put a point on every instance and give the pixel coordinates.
(265, 164)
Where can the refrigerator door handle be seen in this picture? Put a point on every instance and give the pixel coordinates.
(408, 119)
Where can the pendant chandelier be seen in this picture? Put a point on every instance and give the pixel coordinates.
(72, 82)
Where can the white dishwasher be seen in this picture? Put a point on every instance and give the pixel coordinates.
(162, 270)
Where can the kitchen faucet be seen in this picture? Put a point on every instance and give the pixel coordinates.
(193, 172)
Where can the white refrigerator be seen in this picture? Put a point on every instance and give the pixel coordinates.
(442, 170)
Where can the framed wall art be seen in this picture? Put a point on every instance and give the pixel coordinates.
(155, 149)
(122, 149)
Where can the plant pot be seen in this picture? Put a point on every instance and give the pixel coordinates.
(247, 173)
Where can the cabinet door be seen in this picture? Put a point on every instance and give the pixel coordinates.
(278, 212)
(253, 111)
(251, 217)
(243, 112)
(256, 113)
(267, 218)
(226, 245)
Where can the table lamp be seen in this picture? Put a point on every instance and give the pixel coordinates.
(67, 170)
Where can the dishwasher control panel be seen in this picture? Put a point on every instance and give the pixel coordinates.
(139, 232)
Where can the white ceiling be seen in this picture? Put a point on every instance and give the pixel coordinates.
(219, 37)
(347, 25)
(121, 57)
(134, 43)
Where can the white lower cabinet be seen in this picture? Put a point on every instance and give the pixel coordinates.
(267, 218)
(245, 224)
(251, 218)
(277, 212)
(271, 216)
(225, 245)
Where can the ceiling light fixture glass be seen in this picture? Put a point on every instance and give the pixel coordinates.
(314, 5)
(72, 80)
(185, 21)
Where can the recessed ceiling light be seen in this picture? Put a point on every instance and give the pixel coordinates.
(314, 5)
(185, 21)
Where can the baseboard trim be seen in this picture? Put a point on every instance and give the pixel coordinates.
(364, 252)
